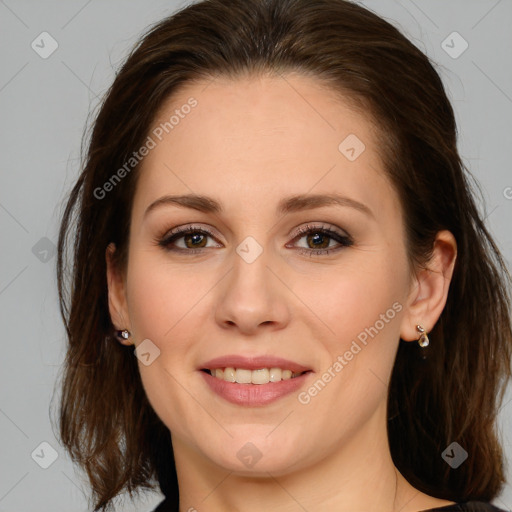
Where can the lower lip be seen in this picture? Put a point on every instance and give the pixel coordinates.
(253, 395)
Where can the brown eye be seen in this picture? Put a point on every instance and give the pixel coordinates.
(187, 239)
(318, 240)
(195, 239)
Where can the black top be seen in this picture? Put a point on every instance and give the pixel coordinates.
(467, 506)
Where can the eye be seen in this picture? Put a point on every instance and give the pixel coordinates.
(318, 240)
(189, 239)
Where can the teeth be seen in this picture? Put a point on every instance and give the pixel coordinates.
(243, 376)
(261, 376)
(229, 375)
(275, 374)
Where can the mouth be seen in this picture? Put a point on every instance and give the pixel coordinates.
(253, 381)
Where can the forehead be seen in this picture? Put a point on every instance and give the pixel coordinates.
(258, 138)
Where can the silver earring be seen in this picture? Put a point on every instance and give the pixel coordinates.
(124, 334)
(423, 340)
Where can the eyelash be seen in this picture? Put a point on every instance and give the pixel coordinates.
(180, 232)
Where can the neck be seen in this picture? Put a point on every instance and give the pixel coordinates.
(359, 475)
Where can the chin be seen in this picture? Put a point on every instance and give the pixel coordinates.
(257, 454)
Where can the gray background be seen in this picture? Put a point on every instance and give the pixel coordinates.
(44, 105)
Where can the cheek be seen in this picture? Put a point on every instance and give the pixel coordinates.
(161, 306)
(159, 297)
(355, 298)
(362, 311)
(360, 307)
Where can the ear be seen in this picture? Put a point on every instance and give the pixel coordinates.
(117, 303)
(430, 288)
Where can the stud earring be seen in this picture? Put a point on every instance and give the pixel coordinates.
(423, 340)
(123, 335)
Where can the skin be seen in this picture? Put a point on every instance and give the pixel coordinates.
(249, 143)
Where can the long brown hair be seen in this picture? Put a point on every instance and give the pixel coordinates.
(105, 420)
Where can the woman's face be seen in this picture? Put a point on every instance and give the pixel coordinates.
(269, 287)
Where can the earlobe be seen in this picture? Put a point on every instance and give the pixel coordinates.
(116, 296)
(430, 292)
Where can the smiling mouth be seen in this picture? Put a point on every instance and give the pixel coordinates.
(247, 376)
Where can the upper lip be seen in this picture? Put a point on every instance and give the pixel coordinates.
(253, 363)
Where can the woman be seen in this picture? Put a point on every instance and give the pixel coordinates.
(282, 294)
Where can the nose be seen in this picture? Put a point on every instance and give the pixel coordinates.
(252, 297)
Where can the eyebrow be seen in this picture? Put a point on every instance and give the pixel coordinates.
(287, 205)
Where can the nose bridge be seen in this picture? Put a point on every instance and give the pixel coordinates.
(250, 261)
(255, 255)
(251, 294)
